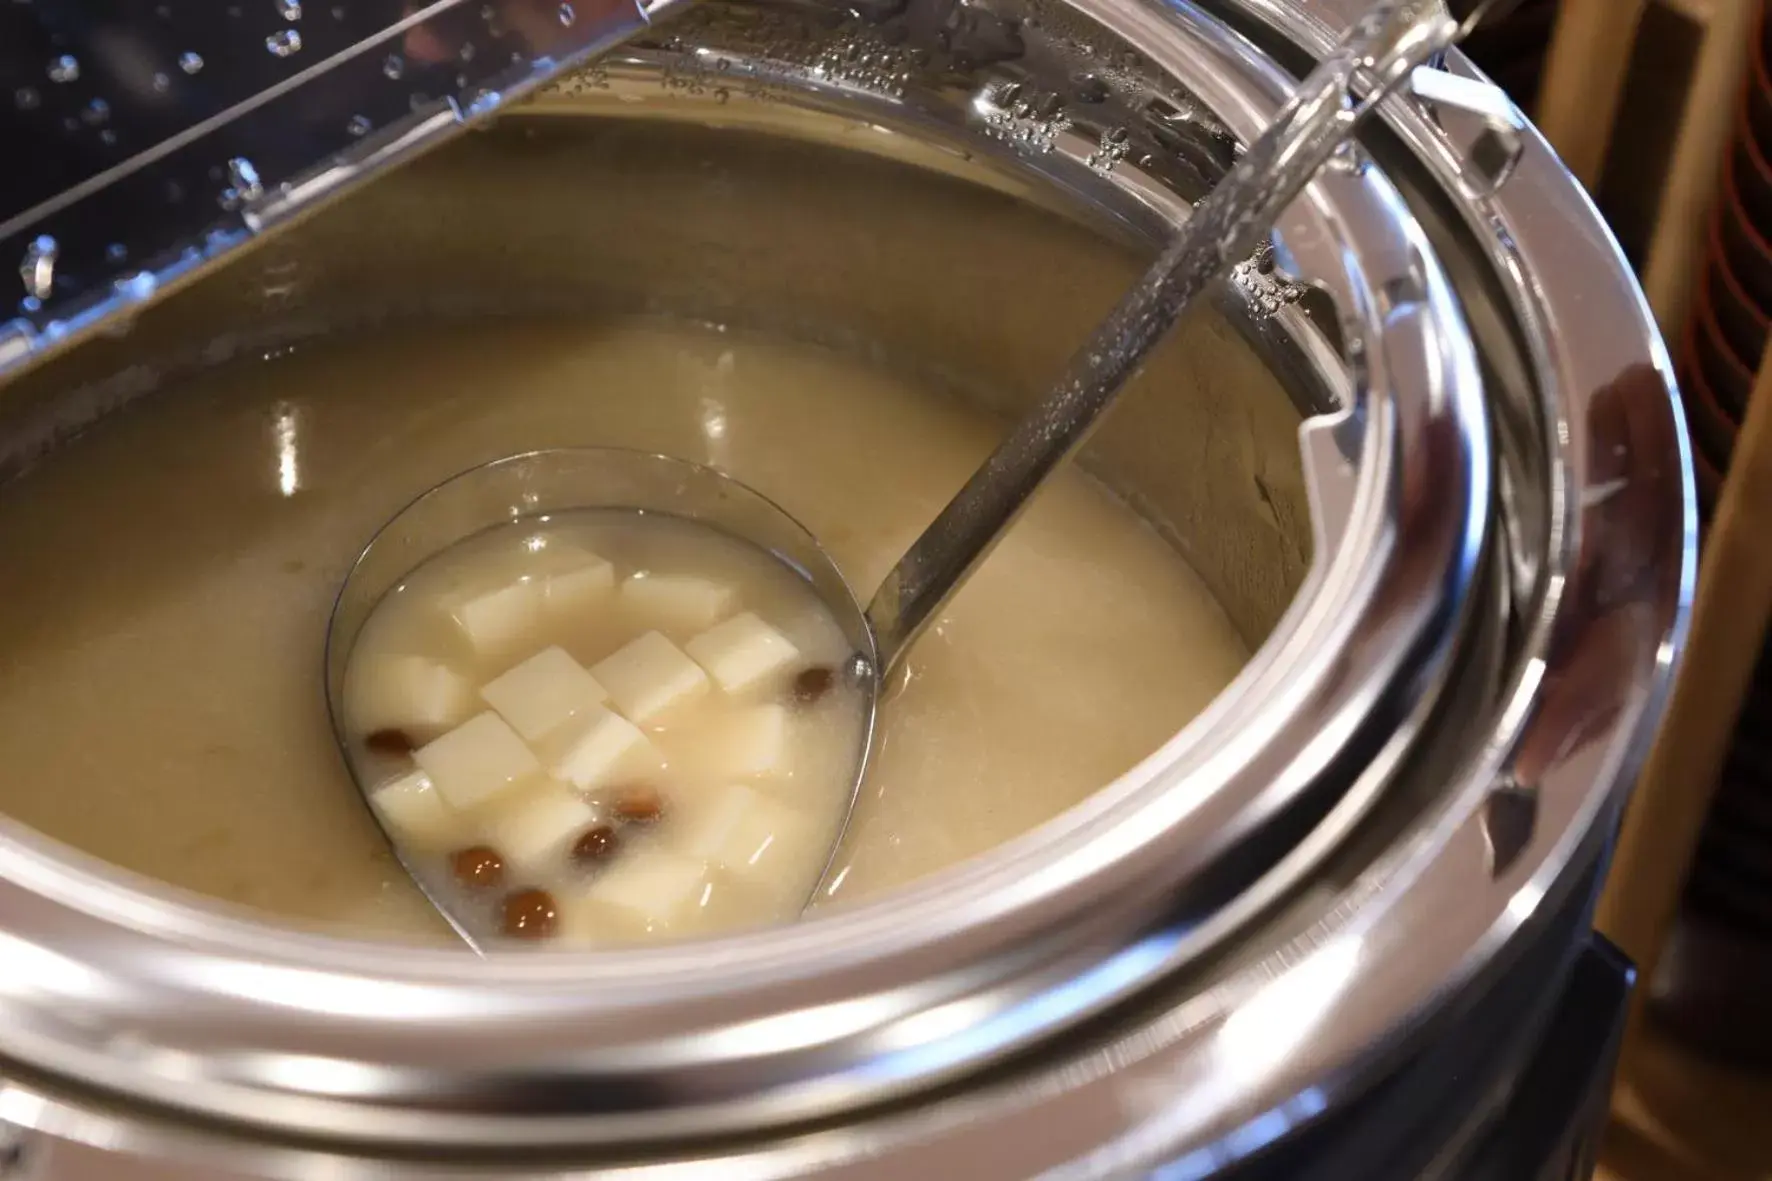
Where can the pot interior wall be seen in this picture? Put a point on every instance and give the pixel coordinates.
(966, 286)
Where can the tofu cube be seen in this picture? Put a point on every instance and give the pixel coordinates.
(580, 583)
(538, 824)
(738, 744)
(478, 760)
(414, 694)
(543, 693)
(414, 813)
(497, 620)
(677, 602)
(742, 652)
(602, 748)
(650, 676)
(653, 888)
(744, 831)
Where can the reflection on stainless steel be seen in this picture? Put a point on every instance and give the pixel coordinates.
(1556, 653)
(286, 439)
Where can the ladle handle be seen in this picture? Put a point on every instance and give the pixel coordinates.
(1377, 54)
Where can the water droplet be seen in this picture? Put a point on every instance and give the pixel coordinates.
(417, 100)
(567, 16)
(38, 266)
(1091, 89)
(289, 9)
(64, 69)
(26, 99)
(243, 183)
(116, 252)
(162, 83)
(1346, 158)
(358, 126)
(189, 62)
(96, 112)
(283, 42)
(138, 286)
(107, 137)
(163, 11)
(338, 12)
(467, 51)
(394, 66)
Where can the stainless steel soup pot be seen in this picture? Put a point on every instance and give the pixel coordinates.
(1423, 450)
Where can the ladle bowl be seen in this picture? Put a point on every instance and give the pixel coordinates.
(532, 487)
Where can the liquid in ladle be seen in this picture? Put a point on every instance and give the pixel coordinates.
(602, 726)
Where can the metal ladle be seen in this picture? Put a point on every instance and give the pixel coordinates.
(1375, 57)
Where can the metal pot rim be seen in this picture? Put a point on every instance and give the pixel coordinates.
(191, 954)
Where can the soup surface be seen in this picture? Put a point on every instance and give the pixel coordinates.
(169, 576)
(596, 726)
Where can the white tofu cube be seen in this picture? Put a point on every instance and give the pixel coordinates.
(653, 887)
(738, 744)
(414, 813)
(479, 759)
(746, 832)
(649, 676)
(602, 748)
(543, 693)
(677, 602)
(580, 584)
(497, 620)
(742, 652)
(538, 824)
(414, 694)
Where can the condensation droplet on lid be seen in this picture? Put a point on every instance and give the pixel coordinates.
(284, 42)
(26, 99)
(65, 68)
(358, 126)
(338, 12)
(96, 112)
(107, 137)
(466, 53)
(567, 15)
(116, 252)
(394, 66)
(162, 83)
(243, 183)
(290, 10)
(189, 62)
(37, 268)
(163, 11)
